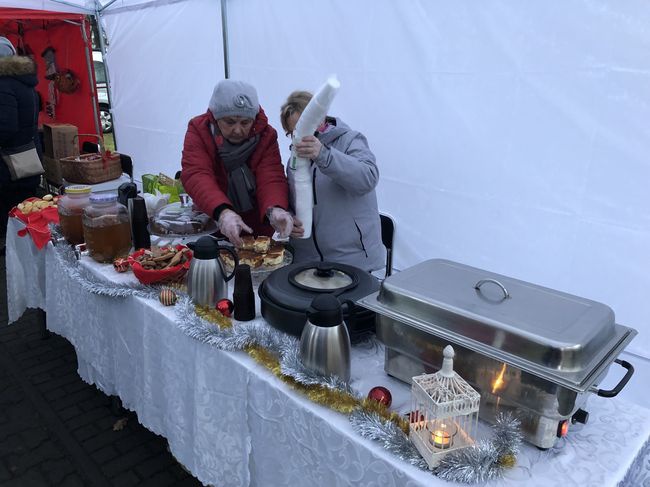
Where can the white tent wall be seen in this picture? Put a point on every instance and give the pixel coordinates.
(511, 136)
(163, 59)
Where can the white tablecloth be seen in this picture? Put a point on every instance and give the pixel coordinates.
(25, 272)
(231, 422)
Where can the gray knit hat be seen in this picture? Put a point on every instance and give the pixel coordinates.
(6, 47)
(232, 98)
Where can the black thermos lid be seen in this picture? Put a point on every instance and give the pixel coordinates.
(205, 248)
(126, 191)
(325, 310)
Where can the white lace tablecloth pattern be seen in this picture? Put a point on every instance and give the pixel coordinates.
(231, 422)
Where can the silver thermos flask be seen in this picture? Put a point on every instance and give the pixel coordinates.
(325, 341)
(207, 281)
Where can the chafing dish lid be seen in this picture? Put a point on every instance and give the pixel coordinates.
(556, 333)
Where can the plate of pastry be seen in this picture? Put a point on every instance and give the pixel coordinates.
(263, 254)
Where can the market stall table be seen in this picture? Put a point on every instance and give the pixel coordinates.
(230, 421)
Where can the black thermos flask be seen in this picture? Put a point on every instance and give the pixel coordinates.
(243, 297)
(139, 223)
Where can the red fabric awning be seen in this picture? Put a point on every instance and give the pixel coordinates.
(32, 31)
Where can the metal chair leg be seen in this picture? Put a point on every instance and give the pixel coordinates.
(42, 324)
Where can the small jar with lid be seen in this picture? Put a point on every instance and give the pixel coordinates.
(106, 227)
(71, 206)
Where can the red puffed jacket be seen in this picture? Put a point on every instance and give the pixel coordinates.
(205, 180)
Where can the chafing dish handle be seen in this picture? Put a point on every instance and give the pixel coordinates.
(619, 387)
(478, 285)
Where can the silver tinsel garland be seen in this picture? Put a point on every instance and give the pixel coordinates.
(239, 337)
(68, 262)
(474, 464)
(507, 434)
(291, 365)
(372, 426)
(477, 463)
(256, 332)
(482, 461)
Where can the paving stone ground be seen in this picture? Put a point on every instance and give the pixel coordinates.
(56, 430)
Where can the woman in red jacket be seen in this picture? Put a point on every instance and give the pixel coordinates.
(231, 165)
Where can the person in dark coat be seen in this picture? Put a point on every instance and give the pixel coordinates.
(231, 165)
(19, 107)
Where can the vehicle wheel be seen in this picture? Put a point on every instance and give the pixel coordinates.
(106, 119)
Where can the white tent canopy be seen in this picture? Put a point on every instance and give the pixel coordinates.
(511, 136)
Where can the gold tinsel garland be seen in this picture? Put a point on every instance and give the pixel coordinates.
(507, 461)
(340, 401)
(336, 400)
(213, 316)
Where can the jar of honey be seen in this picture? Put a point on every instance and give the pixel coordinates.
(106, 227)
(71, 206)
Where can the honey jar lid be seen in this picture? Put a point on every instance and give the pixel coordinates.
(78, 189)
(103, 198)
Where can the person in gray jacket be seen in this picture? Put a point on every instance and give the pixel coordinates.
(346, 225)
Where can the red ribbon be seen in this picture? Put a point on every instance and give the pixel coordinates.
(36, 223)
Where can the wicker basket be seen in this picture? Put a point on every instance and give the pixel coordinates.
(91, 168)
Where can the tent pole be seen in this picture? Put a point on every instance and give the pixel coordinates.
(224, 31)
(107, 5)
(102, 47)
(89, 66)
(72, 5)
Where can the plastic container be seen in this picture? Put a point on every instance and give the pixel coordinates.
(181, 219)
(106, 226)
(70, 207)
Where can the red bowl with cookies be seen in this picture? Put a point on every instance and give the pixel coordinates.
(161, 265)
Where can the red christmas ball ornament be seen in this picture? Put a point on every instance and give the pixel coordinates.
(225, 307)
(381, 395)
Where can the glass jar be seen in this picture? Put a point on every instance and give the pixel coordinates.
(107, 230)
(70, 207)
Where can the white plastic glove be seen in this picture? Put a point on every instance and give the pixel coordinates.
(298, 230)
(309, 147)
(231, 225)
(281, 220)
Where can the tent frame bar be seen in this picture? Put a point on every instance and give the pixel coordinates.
(73, 5)
(90, 67)
(224, 32)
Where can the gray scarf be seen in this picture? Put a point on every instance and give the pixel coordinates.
(241, 182)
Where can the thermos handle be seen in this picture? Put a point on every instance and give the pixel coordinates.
(352, 314)
(235, 258)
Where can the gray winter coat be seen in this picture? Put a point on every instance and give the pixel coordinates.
(346, 227)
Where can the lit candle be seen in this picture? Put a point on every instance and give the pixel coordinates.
(443, 436)
(441, 439)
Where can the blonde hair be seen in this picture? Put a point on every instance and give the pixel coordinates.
(296, 102)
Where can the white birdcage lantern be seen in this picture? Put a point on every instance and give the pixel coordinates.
(444, 416)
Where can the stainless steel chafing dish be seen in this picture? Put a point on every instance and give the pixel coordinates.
(524, 347)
